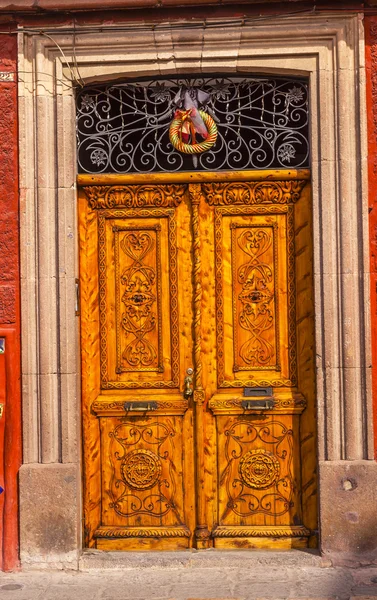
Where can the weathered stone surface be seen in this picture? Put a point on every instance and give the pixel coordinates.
(7, 304)
(195, 582)
(49, 509)
(210, 559)
(348, 509)
(8, 250)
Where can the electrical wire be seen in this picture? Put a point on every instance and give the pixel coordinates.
(154, 27)
(202, 23)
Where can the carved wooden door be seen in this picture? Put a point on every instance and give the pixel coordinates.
(217, 277)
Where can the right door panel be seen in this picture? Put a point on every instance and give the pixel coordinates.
(262, 395)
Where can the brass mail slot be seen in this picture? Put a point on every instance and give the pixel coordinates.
(140, 406)
(262, 392)
(260, 404)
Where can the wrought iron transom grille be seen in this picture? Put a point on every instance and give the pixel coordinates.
(262, 123)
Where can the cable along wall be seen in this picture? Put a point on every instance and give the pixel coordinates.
(262, 123)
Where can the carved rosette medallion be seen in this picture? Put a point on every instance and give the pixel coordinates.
(141, 469)
(259, 469)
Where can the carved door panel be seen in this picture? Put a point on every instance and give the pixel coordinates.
(258, 339)
(217, 276)
(136, 319)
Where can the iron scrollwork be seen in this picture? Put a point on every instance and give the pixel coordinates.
(262, 123)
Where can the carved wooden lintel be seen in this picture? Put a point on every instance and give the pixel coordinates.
(143, 532)
(262, 531)
(253, 192)
(223, 404)
(116, 407)
(134, 196)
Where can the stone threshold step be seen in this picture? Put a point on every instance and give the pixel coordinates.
(199, 559)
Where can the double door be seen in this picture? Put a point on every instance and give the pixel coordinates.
(197, 362)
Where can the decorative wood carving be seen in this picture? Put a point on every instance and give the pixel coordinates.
(254, 298)
(259, 469)
(143, 532)
(128, 320)
(141, 469)
(256, 462)
(254, 192)
(295, 403)
(261, 531)
(138, 287)
(289, 378)
(154, 473)
(145, 471)
(195, 197)
(202, 534)
(134, 196)
(117, 407)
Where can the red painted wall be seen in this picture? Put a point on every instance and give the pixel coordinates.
(371, 65)
(10, 450)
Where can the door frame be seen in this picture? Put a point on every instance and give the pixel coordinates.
(329, 49)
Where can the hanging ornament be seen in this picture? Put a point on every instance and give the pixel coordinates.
(183, 126)
(190, 121)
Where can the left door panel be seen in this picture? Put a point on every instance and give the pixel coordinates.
(135, 281)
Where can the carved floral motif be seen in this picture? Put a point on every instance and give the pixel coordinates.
(255, 192)
(134, 196)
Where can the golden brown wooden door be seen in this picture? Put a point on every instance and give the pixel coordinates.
(218, 277)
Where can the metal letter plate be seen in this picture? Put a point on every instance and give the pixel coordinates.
(265, 392)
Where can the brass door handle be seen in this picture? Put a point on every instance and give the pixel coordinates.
(140, 406)
(188, 382)
(260, 404)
